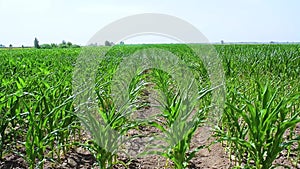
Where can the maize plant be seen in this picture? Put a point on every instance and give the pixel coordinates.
(256, 128)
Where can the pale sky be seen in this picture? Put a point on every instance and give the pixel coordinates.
(52, 21)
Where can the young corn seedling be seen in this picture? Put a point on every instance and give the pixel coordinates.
(180, 121)
(108, 123)
(260, 126)
(8, 107)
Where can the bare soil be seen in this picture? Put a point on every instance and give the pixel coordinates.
(213, 158)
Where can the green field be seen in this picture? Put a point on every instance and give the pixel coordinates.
(260, 119)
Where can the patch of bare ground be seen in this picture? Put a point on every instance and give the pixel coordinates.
(213, 158)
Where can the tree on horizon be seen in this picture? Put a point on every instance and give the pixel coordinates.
(36, 43)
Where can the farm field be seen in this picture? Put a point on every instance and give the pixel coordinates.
(40, 125)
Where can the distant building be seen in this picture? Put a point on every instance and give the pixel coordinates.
(2, 46)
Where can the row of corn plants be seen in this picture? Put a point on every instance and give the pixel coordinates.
(262, 110)
(37, 119)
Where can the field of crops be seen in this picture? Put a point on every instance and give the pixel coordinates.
(40, 123)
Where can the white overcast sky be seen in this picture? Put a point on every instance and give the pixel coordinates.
(52, 21)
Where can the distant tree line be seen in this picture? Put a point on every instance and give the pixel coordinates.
(64, 44)
(106, 43)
